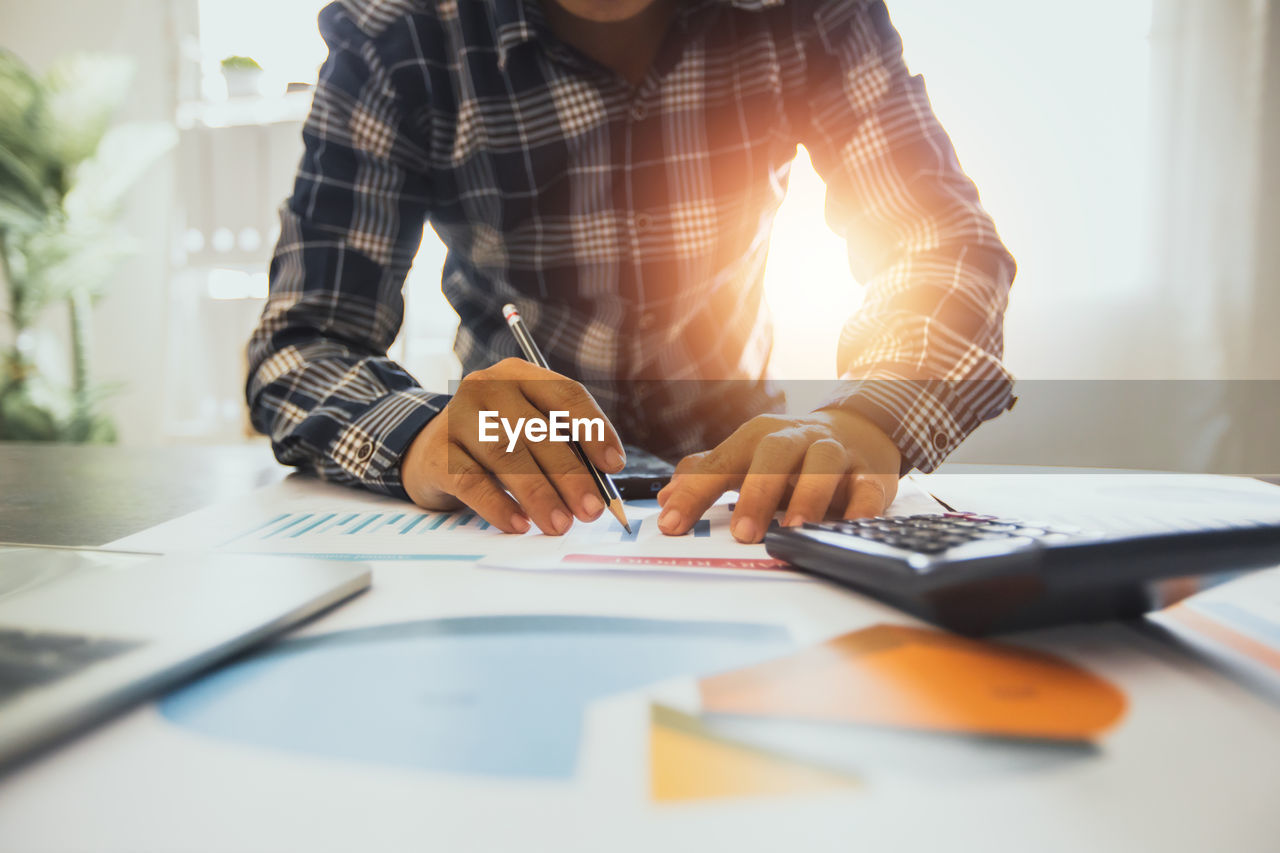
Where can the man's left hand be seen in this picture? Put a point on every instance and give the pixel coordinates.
(830, 463)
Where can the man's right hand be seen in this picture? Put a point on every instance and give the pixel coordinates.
(448, 465)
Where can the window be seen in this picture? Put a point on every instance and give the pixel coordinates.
(280, 35)
(1048, 105)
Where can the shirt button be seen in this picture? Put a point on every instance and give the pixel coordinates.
(941, 440)
(639, 112)
(643, 222)
(365, 451)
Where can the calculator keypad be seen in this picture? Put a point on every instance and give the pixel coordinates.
(934, 534)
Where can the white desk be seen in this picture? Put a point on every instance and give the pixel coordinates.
(1195, 764)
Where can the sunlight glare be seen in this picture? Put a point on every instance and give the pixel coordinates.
(808, 284)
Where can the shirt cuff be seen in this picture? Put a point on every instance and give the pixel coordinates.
(926, 419)
(371, 446)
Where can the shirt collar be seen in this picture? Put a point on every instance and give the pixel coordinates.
(517, 21)
(513, 25)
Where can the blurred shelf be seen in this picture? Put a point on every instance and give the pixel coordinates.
(291, 107)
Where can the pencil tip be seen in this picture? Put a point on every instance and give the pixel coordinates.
(615, 507)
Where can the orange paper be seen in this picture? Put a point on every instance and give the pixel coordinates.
(687, 763)
(922, 679)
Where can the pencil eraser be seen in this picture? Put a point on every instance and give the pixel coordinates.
(509, 311)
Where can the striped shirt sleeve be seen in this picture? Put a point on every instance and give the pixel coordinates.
(320, 382)
(923, 357)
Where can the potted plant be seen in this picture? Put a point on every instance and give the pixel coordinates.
(64, 174)
(243, 75)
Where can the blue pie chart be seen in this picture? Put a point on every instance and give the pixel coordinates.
(488, 696)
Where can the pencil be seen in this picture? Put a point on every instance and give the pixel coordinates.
(608, 490)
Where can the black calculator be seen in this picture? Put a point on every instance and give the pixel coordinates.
(644, 476)
(978, 574)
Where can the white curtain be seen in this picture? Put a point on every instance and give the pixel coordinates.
(1192, 339)
(1215, 245)
(1211, 108)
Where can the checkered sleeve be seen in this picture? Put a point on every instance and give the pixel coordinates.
(320, 383)
(922, 358)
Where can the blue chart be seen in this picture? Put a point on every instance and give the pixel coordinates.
(493, 695)
(411, 534)
(701, 530)
(307, 525)
(392, 535)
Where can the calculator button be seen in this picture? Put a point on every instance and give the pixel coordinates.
(934, 548)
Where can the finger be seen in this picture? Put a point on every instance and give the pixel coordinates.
(706, 476)
(826, 463)
(776, 457)
(570, 478)
(527, 483)
(582, 417)
(665, 491)
(472, 484)
(684, 466)
(868, 498)
(559, 463)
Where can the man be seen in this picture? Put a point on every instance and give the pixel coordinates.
(612, 167)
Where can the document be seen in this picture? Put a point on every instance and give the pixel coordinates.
(883, 702)
(708, 549)
(304, 517)
(1109, 501)
(689, 761)
(926, 680)
(500, 696)
(1236, 624)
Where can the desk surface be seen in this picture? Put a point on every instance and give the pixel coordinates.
(1194, 766)
(60, 494)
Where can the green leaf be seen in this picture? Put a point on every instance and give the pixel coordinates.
(21, 103)
(127, 151)
(62, 260)
(82, 93)
(23, 418)
(240, 63)
(22, 193)
(17, 217)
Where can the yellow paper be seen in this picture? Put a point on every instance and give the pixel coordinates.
(687, 763)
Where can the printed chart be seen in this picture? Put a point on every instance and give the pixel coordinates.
(412, 534)
(490, 695)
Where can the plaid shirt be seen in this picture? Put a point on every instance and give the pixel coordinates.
(630, 225)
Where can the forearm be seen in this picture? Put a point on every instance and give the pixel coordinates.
(922, 360)
(347, 416)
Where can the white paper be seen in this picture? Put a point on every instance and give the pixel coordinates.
(708, 549)
(1110, 501)
(304, 516)
(1236, 624)
(301, 516)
